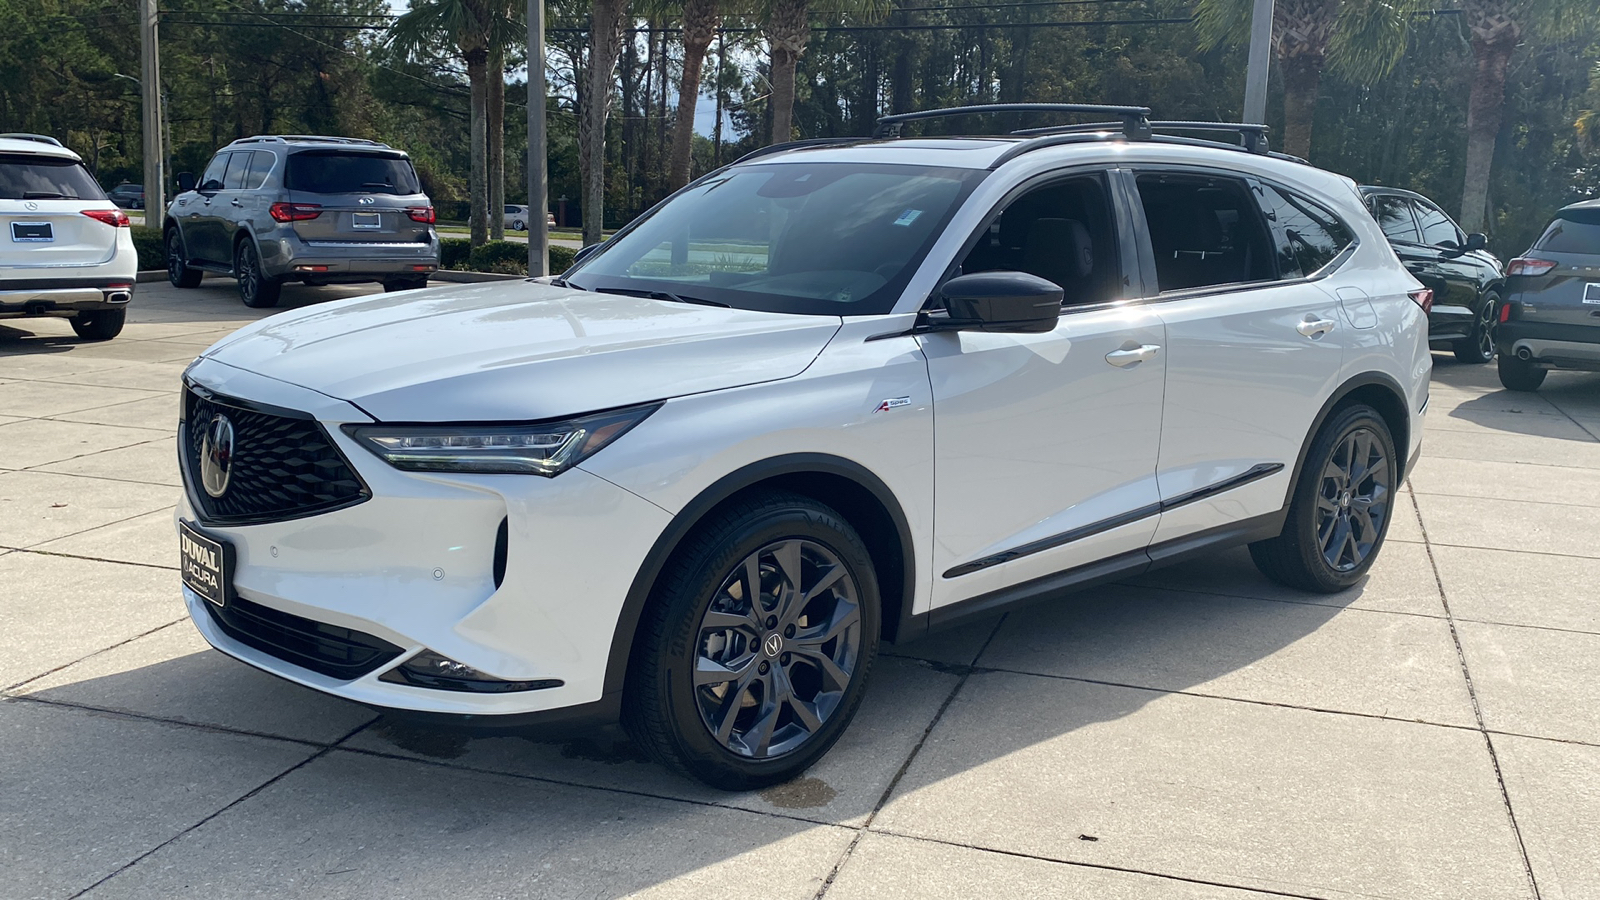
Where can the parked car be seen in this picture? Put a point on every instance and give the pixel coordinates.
(68, 252)
(518, 217)
(829, 394)
(1468, 282)
(320, 210)
(1552, 316)
(127, 196)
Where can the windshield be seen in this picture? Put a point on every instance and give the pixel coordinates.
(341, 172)
(25, 176)
(838, 239)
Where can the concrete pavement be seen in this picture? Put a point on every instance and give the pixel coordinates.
(1198, 733)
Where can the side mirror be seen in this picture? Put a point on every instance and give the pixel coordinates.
(1476, 241)
(185, 182)
(584, 253)
(1004, 302)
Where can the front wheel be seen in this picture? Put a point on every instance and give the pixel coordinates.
(1478, 346)
(99, 324)
(1518, 374)
(1341, 506)
(754, 651)
(519, 225)
(178, 270)
(255, 288)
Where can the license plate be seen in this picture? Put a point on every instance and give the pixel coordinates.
(366, 220)
(1591, 293)
(206, 563)
(32, 232)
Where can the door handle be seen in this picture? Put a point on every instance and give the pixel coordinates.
(1133, 355)
(1315, 328)
(237, 203)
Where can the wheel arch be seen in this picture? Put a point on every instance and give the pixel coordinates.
(860, 496)
(1377, 390)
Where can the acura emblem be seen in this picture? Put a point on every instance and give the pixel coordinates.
(773, 645)
(367, 201)
(30, 206)
(216, 455)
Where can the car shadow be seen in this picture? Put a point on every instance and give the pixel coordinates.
(1568, 402)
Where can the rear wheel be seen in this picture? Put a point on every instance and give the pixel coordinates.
(755, 649)
(405, 284)
(1478, 346)
(1340, 509)
(1518, 374)
(99, 324)
(255, 288)
(178, 270)
(519, 225)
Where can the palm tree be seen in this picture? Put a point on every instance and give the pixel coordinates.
(606, 18)
(1361, 38)
(787, 27)
(1496, 27)
(701, 19)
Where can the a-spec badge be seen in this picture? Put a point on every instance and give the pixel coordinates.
(893, 403)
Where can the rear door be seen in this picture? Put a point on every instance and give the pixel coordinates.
(41, 219)
(1459, 274)
(364, 196)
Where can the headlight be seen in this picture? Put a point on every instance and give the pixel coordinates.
(545, 448)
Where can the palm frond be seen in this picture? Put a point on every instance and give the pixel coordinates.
(1222, 23)
(1370, 36)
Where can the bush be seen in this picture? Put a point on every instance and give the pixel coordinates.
(151, 249)
(501, 257)
(561, 259)
(453, 253)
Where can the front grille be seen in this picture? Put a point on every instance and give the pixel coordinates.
(282, 467)
(326, 649)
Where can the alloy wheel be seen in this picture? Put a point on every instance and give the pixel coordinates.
(1487, 322)
(175, 264)
(1353, 499)
(777, 648)
(249, 273)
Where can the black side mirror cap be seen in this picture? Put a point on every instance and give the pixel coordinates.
(1475, 241)
(584, 253)
(1002, 302)
(185, 181)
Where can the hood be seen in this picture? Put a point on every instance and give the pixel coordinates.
(509, 351)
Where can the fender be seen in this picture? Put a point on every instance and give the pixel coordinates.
(1365, 379)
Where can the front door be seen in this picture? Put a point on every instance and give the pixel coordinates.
(201, 218)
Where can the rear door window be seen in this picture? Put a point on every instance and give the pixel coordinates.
(1394, 217)
(343, 172)
(1576, 231)
(238, 166)
(1312, 237)
(28, 176)
(1437, 229)
(1205, 230)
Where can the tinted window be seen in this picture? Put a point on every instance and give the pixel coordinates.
(260, 164)
(343, 172)
(25, 176)
(1064, 233)
(1394, 217)
(237, 167)
(211, 180)
(811, 238)
(1577, 231)
(1204, 231)
(1437, 229)
(1312, 235)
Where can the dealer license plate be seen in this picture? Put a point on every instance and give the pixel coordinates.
(367, 221)
(206, 563)
(32, 232)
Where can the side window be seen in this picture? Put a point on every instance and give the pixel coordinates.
(260, 165)
(1394, 217)
(211, 180)
(1205, 230)
(1437, 229)
(234, 180)
(1312, 236)
(1064, 232)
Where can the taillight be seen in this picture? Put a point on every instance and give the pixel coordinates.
(1423, 298)
(116, 218)
(1527, 265)
(423, 214)
(1505, 313)
(294, 212)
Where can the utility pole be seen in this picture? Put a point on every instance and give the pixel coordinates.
(1255, 77)
(155, 170)
(538, 176)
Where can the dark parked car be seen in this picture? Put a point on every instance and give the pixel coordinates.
(127, 196)
(1552, 315)
(1468, 283)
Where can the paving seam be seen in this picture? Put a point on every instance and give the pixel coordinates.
(1470, 497)
(1184, 590)
(118, 562)
(147, 512)
(1522, 625)
(175, 487)
(178, 723)
(1569, 418)
(1477, 710)
(1431, 544)
(905, 766)
(80, 659)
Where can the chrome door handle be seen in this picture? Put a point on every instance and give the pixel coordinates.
(1133, 356)
(1315, 328)
(237, 203)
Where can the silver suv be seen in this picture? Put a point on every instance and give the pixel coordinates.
(322, 210)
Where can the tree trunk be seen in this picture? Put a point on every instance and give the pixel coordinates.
(496, 127)
(1484, 109)
(1302, 76)
(700, 20)
(605, 41)
(477, 77)
(787, 32)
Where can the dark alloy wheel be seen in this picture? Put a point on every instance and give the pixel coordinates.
(405, 284)
(1478, 346)
(1341, 506)
(178, 270)
(753, 654)
(1519, 374)
(255, 288)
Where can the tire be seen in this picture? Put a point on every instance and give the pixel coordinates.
(519, 225)
(1477, 348)
(1349, 479)
(255, 288)
(791, 696)
(405, 284)
(99, 324)
(178, 270)
(1518, 374)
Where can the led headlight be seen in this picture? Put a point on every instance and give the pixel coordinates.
(541, 448)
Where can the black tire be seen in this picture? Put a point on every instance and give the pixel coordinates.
(405, 284)
(1520, 375)
(99, 324)
(178, 270)
(774, 656)
(1341, 507)
(255, 288)
(1477, 348)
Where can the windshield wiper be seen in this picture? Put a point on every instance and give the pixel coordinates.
(661, 295)
(45, 195)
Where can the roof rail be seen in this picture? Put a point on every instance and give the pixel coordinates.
(1135, 119)
(1252, 137)
(320, 138)
(796, 145)
(37, 138)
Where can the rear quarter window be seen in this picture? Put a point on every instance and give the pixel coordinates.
(342, 172)
(26, 176)
(1577, 231)
(1313, 237)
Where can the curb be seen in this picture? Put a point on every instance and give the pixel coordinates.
(444, 275)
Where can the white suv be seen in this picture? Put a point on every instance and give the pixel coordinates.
(67, 251)
(828, 395)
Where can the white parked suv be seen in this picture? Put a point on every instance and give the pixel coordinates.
(67, 251)
(831, 394)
